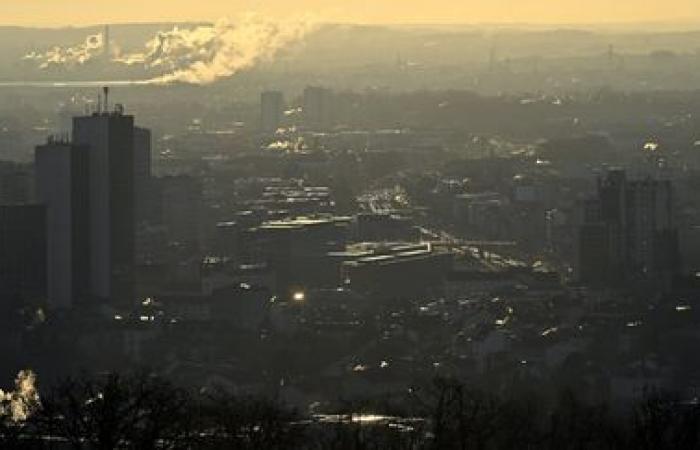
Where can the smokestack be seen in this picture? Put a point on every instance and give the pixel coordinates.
(106, 93)
(106, 46)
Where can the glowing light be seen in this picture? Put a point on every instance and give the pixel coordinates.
(549, 331)
(299, 296)
(651, 146)
(17, 405)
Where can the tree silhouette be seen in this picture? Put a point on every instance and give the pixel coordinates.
(114, 411)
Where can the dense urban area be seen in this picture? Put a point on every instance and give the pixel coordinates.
(360, 237)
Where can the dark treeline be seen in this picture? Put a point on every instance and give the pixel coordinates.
(147, 412)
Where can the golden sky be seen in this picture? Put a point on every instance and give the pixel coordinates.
(80, 12)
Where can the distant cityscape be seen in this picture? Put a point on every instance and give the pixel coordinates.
(336, 247)
(343, 246)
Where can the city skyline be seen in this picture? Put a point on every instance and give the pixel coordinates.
(269, 225)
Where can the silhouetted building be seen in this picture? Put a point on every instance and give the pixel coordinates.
(182, 209)
(396, 270)
(110, 136)
(15, 183)
(298, 251)
(317, 107)
(22, 253)
(483, 214)
(227, 239)
(62, 186)
(271, 110)
(628, 232)
(142, 174)
(594, 253)
(377, 227)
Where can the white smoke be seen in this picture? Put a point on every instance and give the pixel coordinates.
(205, 54)
(199, 55)
(173, 49)
(18, 404)
(69, 56)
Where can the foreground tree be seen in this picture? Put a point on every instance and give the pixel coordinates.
(463, 417)
(244, 423)
(661, 422)
(145, 412)
(136, 411)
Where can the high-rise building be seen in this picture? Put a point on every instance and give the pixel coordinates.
(317, 108)
(16, 183)
(62, 186)
(594, 258)
(182, 206)
(22, 253)
(142, 174)
(628, 232)
(271, 110)
(110, 138)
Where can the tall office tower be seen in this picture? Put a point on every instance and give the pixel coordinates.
(62, 186)
(22, 253)
(110, 138)
(16, 183)
(271, 110)
(317, 108)
(628, 232)
(142, 174)
(654, 238)
(612, 207)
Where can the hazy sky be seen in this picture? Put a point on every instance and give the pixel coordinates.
(78, 12)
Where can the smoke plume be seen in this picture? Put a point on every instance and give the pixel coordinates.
(199, 55)
(69, 56)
